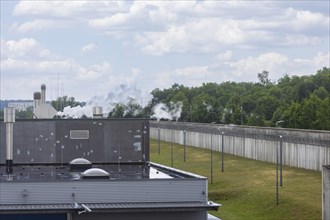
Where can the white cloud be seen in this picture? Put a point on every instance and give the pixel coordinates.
(37, 25)
(88, 48)
(25, 48)
(210, 40)
(250, 66)
(189, 76)
(161, 27)
(226, 56)
(32, 68)
(245, 69)
(66, 8)
(277, 64)
(300, 20)
(94, 71)
(300, 40)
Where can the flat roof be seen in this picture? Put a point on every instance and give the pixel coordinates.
(45, 173)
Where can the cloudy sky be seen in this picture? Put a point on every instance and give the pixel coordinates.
(89, 48)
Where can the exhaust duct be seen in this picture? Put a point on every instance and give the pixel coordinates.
(43, 94)
(9, 119)
(97, 112)
(36, 99)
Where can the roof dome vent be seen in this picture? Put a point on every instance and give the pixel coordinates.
(95, 173)
(80, 164)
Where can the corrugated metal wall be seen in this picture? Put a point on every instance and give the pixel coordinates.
(301, 148)
(64, 192)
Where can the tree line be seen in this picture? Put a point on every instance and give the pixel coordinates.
(301, 102)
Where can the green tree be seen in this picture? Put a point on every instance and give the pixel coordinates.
(202, 108)
(118, 111)
(323, 115)
(291, 98)
(292, 115)
(321, 92)
(264, 78)
(61, 102)
(24, 114)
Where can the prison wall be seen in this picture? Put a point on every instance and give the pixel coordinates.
(326, 192)
(308, 149)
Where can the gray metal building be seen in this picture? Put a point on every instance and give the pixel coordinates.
(111, 178)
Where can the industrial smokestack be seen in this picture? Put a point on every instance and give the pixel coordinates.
(9, 119)
(97, 112)
(36, 99)
(43, 94)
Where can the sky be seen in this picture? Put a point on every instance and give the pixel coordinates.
(87, 49)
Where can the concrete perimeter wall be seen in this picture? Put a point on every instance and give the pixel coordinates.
(326, 192)
(306, 149)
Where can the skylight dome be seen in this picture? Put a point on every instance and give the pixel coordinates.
(95, 173)
(80, 161)
(80, 164)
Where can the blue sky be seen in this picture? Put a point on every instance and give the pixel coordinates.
(101, 48)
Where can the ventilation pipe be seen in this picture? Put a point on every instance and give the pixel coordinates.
(43, 94)
(9, 119)
(97, 112)
(36, 99)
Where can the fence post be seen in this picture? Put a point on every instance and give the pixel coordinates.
(276, 173)
(222, 153)
(281, 156)
(184, 145)
(211, 149)
(158, 141)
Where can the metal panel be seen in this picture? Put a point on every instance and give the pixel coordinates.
(110, 206)
(160, 215)
(48, 141)
(79, 134)
(88, 191)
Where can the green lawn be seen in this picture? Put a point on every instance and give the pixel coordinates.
(246, 188)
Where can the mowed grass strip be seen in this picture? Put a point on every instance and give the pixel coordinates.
(246, 188)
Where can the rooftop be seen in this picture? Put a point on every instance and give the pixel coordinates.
(42, 173)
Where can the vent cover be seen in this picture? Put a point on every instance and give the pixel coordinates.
(79, 134)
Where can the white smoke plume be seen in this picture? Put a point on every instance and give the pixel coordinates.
(76, 112)
(162, 111)
(208, 107)
(121, 94)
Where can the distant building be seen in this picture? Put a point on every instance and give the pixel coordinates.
(21, 106)
(91, 169)
(41, 109)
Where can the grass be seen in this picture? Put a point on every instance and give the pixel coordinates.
(246, 188)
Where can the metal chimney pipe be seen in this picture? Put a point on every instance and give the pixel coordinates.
(43, 94)
(9, 119)
(36, 99)
(97, 112)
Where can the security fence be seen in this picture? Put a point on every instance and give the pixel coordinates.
(308, 149)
